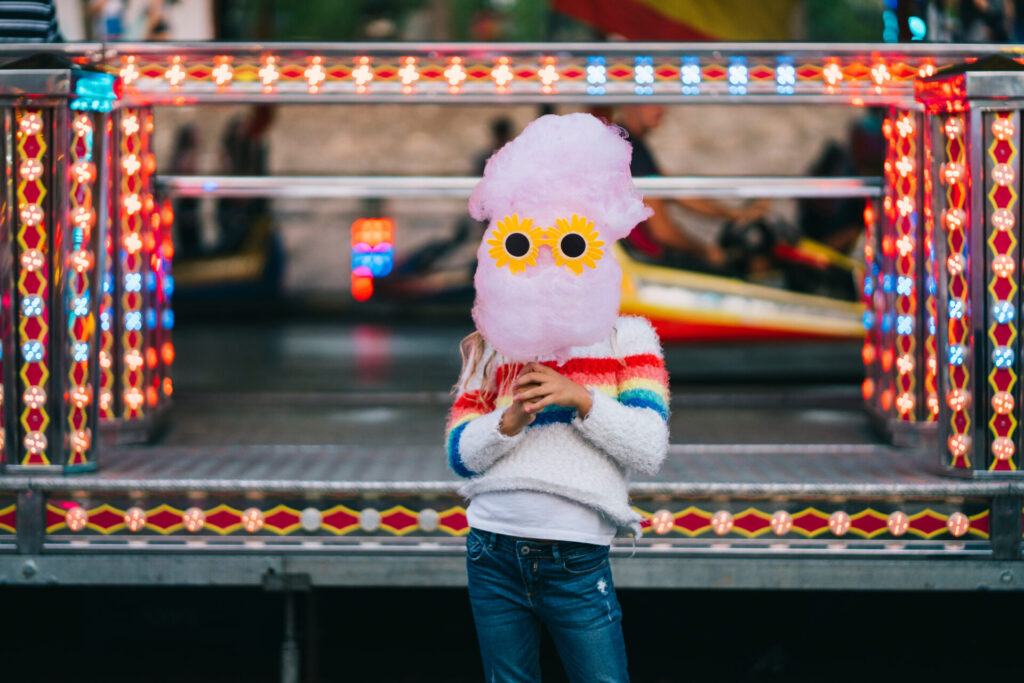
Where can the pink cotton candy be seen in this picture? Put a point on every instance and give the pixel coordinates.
(558, 167)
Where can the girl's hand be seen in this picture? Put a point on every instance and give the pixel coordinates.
(538, 386)
(514, 419)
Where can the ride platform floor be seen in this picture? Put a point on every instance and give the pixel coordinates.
(297, 413)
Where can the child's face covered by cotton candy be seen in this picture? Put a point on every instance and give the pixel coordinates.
(556, 198)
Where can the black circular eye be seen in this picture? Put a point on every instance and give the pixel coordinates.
(573, 245)
(517, 244)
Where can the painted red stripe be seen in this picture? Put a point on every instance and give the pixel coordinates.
(632, 20)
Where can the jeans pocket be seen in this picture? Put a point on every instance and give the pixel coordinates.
(586, 562)
(475, 546)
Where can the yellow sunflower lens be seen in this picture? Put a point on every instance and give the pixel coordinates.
(575, 243)
(514, 243)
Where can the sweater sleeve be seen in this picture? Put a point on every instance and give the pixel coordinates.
(473, 437)
(633, 428)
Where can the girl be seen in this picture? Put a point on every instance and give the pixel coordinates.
(559, 400)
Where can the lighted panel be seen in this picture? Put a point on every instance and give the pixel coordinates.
(901, 245)
(181, 77)
(957, 223)
(33, 254)
(79, 286)
(133, 267)
(1002, 275)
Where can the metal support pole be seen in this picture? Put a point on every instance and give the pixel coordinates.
(31, 522)
(289, 648)
(1006, 527)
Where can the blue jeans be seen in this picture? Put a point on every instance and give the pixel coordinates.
(516, 585)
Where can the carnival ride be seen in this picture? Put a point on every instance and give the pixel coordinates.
(761, 502)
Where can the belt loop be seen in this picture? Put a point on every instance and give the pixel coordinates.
(492, 538)
(554, 551)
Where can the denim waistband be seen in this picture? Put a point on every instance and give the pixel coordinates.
(526, 547)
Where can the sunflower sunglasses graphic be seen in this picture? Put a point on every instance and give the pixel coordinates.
(574, 243)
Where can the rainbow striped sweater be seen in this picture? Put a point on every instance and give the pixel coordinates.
(585, 460)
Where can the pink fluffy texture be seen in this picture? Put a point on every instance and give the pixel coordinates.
(558, 166)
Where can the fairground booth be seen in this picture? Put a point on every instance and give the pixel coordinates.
(92, 491)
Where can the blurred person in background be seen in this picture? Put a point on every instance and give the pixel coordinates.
(660, 238)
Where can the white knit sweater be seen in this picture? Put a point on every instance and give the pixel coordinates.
(584, 460)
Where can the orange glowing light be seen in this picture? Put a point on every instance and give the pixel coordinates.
(1003, 220)
(781, 522)
(32, 260)
(129, 73)
(956, 264)
(1003, 265)
(905, 364)
(30, 169)
(168, 386)
(362, 288)
(898, 523)
(867, 389)
(502, 72)
(887, 359)
(167, 353)
(956, 400)
(886, 399)
(548, 74)
(176, 74)
(455, 73)
(82, 126)
(1003, 174)
(34, 397)
(83, 172)
(832, 73)
(315, 74)
(132, 204)
(954, 127)
(905, 245)
(76, 518)
(905, 126)
(362, 74)
(81, 440)
(105, 362)
(81, 396)
(1002, 402)
(954, 219)
(31, 215)
(152, 396)
(30, 124)
(926, 69)
(133, 398)
(133, 359)
(131, 164)
(222, 73)
(868, 354)
(194, 519)
(958, 524)
(721, 522)
(839, 522)
(151, 357)
(1002, 128)
(905, 403)
(933, 404)
(35, 442)
(408, 72)
(958, 445)
(268, 72)
(1002, 448)
(135, 519)
(905, 166)
(130, 125)
(662, 522)
(81, 260)
(83, 217)
(132, 242)
(252, 520)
